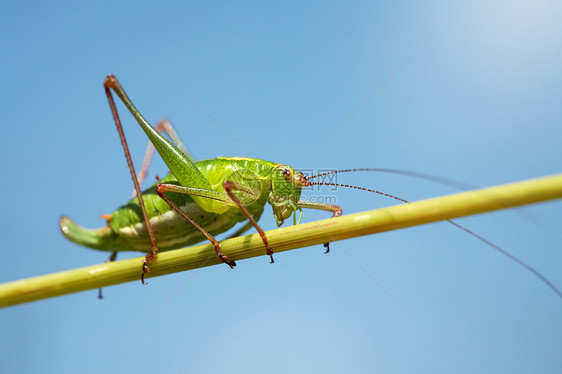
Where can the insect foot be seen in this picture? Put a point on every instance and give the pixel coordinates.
(224, 259)
(145, 263)
(269, 252)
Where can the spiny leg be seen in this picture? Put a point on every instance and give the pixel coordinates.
(336, 210)
(112, 83)
(161, 189)
(162, 126)
(229, 187)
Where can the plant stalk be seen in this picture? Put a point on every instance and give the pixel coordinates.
(288, 238)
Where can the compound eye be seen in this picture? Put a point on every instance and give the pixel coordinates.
(287, 173)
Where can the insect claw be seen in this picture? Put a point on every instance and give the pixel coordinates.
(224, 259)
(144, 271)
(269, 252)
(327, 246)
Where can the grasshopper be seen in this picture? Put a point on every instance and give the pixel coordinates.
(196, 201)
(199, 200)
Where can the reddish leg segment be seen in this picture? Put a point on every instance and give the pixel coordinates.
(112, 83)
(336, 210)
(161, 189)
(229, 187)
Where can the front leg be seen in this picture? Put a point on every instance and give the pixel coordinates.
(336, 210)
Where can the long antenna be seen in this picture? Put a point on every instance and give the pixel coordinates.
(433, 178)
(446, 181)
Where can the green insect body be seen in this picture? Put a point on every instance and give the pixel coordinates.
(210, 196)
(127, 231)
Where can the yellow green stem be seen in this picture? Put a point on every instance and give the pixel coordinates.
(284, 239)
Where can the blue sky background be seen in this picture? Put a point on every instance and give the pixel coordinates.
(478, 100)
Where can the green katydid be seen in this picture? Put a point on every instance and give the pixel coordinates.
(199, 200)
(196, 201)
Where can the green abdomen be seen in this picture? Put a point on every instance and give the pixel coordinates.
(126, 230)
(171, 230)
